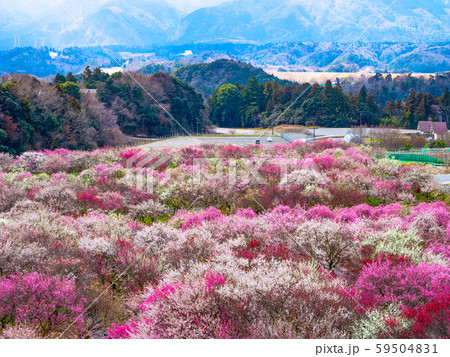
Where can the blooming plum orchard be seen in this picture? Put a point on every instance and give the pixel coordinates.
(298, 240)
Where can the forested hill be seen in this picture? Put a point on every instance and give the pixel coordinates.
(257, 104)
(38, 115)
(206, 77)
(133, 98)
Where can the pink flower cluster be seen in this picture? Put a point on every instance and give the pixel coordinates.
(51, 303)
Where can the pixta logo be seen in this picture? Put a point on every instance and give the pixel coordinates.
(141, 169)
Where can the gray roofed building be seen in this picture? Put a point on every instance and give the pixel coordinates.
(438, 129)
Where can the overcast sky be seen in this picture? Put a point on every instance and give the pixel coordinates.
(190, 5)
(37, 6)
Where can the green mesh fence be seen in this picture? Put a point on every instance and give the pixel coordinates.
(416, 157)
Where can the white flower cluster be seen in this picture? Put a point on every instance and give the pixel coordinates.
(375, 323)
(154, 239)
(416, 175)
(148, 209)
(325, 241)
(33, 160)
(98, 245)
(304, 177)
(403, 243)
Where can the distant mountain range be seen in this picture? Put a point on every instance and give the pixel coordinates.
(319, 20)
(296, 56)
(86, 23)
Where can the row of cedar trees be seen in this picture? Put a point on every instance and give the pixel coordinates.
(258, 104)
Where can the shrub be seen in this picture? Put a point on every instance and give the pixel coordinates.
(234, 152)
(389, 282)
(9, 195)
(432, 320)
(22, 332)
(61, 197)
(153, 240)
(244, 303)
(305, 177)
(121, 263)
(396, 243)
(54, 164)
(192, 247)
(33, 161)
(147, 211)
(50, 304)
(111, 201)
(6, 162)
(17, 256)
(128, 154)
(196, 219)
(327, 242)
(88, 198)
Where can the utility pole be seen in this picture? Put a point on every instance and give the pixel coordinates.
(446, 160)
(314, 129)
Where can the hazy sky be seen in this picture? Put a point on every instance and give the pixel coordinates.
(38, 6)
(190, 5)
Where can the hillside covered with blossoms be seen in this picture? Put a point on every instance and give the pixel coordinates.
(300, 240)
